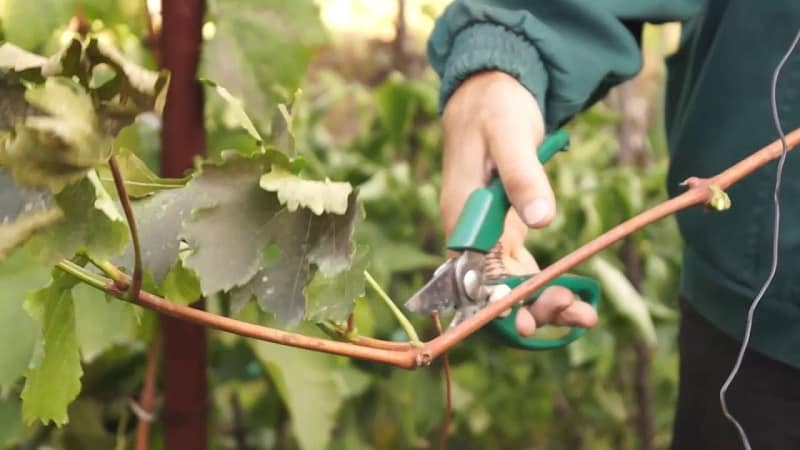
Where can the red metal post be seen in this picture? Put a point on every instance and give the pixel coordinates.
(185, 386)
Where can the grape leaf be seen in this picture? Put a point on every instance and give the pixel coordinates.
(19, 275)
(23, 211)
(11, 427)
(159, 219)
(258, 45)
(101, 321)
(239, 208)
(53, 381)
(332, 297)
(224, 201)
(30, 24)
(140, 181)
(181, 285)
(306, 241)
(12, 107)
(312, 387)
(235, 114)
(89, 224)
(318, 196)
(56, 149)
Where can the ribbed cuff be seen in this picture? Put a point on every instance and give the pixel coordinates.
(493, 47)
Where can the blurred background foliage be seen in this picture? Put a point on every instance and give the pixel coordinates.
(362, 106)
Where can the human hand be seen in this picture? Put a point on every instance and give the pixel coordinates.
(492, 123)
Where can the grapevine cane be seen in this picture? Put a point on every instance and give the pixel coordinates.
(700, 191)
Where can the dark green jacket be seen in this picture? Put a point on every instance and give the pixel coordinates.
(568, 53)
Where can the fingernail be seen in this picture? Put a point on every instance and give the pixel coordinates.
(536, 211)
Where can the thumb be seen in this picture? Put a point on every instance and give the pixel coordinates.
(512, 145)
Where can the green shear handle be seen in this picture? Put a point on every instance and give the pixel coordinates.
(480, 226)
(586, 288)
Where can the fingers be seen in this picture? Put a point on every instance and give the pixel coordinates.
(558, 306)
(512, 140)
(516, 258)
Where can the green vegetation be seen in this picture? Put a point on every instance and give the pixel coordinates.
(312, 176)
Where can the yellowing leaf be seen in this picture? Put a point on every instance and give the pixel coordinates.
(318, 196)
(720, 201)
(58, 148)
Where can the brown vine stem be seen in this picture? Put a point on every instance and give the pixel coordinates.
(400, 355)
(396, 354)
(448, 389)
(699, 192)
(122, 192)
(147, 398)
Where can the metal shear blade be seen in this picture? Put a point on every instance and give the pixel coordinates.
(457, 284)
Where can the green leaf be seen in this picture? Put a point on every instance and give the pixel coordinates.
(332, 297)
(53, 381)
(258, 46)
(312, 387)
(31, 24)
(181, 285)
(59, 148)
(159, 220)
(140, 181)
(625, 299)
(236, 207)
(134, 89)
(396, 102)
(19, 275)
(101, 321)
(90, 224)
(318, 196)
(304, 239)
(235, 115)
(11, 427)
(23, 212)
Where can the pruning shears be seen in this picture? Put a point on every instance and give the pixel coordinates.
(476, 277)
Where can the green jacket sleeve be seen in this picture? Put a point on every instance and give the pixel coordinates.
(567, 53)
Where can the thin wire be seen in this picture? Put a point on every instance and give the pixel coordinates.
(775, 241)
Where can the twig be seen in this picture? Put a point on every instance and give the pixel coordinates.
(401, 318)
(147, 398)
(122, 192)
(448, 411)
(82, 274)
(342, 334)
(699, 193)
(405, 358)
